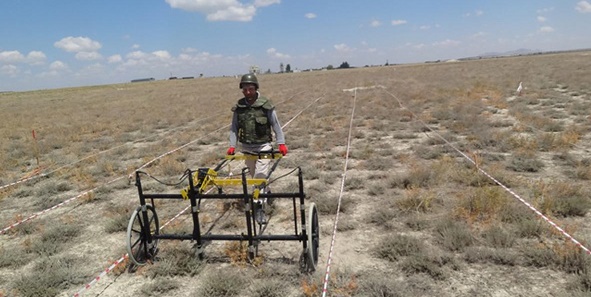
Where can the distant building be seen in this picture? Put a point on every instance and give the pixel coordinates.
(142, 79)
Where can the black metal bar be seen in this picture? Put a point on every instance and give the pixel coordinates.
(240, 196)
(302, 207)
(194, 212)
(164, 196)
(248, 209)
(144, 214)
(229, 237)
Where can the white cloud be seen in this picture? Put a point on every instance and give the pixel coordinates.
(447, 43)
(273, 52)
(478, 34)
(137, 55)
(162, 55)
(476, 13)
(425, 27)
(263, 3)
(9, 70)
(310, 15)
(135, 46)
(583, 7)
(546, 29)
(222, 10)
(58, 65)
(541, 19)
(78, 44)
(342, 47)
(545, 10)
(375, 23)
(398, 22)
(36, 58)
(88, 56)
(114, 59)
(11, 57)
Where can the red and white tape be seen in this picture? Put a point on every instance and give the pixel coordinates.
(35, 215)
(102, 274)
(336, 221)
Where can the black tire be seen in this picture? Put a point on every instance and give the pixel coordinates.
(138, 247)
(313, 232)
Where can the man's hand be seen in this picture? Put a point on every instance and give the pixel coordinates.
(283, 149)
(231, 151)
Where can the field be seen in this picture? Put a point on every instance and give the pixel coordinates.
(404, 148)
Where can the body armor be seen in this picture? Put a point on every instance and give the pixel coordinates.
(254, 126)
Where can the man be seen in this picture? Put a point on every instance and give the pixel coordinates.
(253, 120)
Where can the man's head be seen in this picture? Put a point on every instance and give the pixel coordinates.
(249, 79)
(249, 85)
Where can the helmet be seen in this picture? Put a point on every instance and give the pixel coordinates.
(249, 79)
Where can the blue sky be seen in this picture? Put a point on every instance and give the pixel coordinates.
(64, 43)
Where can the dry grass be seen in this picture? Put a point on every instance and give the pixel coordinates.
(441, 220)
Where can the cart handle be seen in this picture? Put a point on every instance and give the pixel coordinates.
(255, 156)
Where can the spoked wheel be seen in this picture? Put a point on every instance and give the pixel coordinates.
(310, 256)
(138, 247)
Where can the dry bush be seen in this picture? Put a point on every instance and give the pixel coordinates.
(497, 237)
(495, 256)
(176, 260)
(392, 248)
(55, 239)
(560, 198)
(417, 200)
(525, 162)
(453, 235)
(159, 287)
(223, 282)
(50, 277)
(483, 204)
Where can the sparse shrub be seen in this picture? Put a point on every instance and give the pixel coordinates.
(481, 204)
(269, 288)
(378, 164)
(391, 248)
(417, 200)
(418, 176)
(423, 263)
(525, 163)
(50, 277)
(159, 287)
(561, 198)
(177, 260)
(53, 240)
(354, 183)
(417, 223)
(376, 188)
(540, 256)
(495, 256)
(223, 282)
(373, 284)
(454, 236)
(530, 228)
(498, 237)
(14, 257)
(329, 204)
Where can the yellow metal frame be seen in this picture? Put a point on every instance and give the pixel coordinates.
(211, 177)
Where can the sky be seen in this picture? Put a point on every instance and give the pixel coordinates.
(70, 43)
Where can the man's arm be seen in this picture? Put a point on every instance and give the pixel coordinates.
(234, 130)
(276, 125)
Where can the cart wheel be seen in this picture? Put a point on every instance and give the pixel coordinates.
(138, 247)
(313, 232)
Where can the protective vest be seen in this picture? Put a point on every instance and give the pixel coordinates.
(253, 125)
